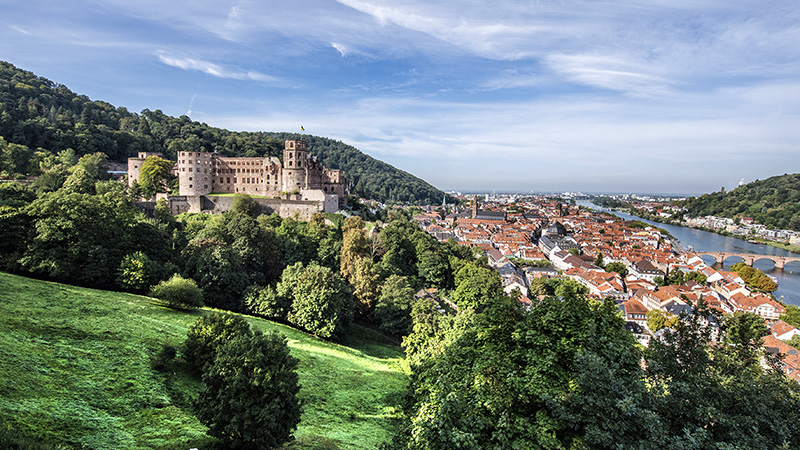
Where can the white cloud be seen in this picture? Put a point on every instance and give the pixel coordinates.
(212, 68)
(340, 48)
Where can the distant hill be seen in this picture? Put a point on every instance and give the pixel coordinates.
(774, 202)
(77, 369)
(40, 114)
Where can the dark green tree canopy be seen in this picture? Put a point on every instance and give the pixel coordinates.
(249, 395)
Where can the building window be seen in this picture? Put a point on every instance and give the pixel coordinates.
(190, 178)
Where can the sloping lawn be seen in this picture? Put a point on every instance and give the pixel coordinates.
(75, 367)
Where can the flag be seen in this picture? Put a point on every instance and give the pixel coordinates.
(301, 128)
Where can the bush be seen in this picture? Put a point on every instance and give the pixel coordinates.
(208, 334)
(249, 394)
(178, 292)
(265, 301)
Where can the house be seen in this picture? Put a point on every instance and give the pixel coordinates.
(783, 331)
(790, 364)
(759, 304)
(634, 311)
(646, 270)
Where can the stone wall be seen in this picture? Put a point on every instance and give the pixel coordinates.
(303, 209)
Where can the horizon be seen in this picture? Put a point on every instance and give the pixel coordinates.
(624, 97)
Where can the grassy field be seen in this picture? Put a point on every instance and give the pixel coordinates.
(75, 367)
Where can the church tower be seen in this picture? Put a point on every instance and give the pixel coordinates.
(474, 206)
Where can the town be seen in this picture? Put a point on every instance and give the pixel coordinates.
(537, 238)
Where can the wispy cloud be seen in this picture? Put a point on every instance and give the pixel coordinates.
(16, 28)
(340, 48)
(213, 69)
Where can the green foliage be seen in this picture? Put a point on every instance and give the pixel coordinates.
(265, 301)
(322, 302)
(51, 117)
(657, 320)
(697, 277)
(755, 278)
(774, 202)
(137, 272)
(393, 310)
(178, 292)
(702, 393)
(77, 370)
(79, 237)
(155, 175)
(511, 379)
(617, 267)
(245, 204)
(792, 315)
(476, 286)
(218, 271)
(366, 286)
(249, 394)
(208, 334)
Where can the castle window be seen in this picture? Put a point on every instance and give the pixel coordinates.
(190, 178)
(205, 186)
(190, 186)
(190, 169)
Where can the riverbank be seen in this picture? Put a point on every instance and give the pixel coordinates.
(656, 218)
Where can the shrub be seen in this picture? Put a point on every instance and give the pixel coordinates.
(249, 394)
(208, 334)
(178, 292)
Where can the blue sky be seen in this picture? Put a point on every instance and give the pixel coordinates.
(616, 96)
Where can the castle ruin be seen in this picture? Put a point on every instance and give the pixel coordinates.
(297, 185)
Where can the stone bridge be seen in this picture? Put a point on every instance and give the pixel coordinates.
(750, 258)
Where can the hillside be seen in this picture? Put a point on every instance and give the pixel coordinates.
(46, 117)
(774, 202)
(76, 369)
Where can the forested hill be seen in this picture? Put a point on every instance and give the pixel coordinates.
(47, 118)
(774, 202)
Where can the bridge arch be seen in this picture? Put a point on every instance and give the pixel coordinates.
(749, 258)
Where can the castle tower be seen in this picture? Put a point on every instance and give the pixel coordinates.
(195, 170)
(474, 206)
(295, 170)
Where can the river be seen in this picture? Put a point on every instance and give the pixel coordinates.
(705, 241)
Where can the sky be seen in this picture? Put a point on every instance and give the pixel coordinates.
(672, 96)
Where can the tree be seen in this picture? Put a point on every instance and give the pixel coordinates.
(79, 237)
(393, 310)
(697, 277)
(245, 204)
(322, 302)
(366, 285)
(354, 246)
(508, 378)
(265, 301)
(598, 260)
(218, 270)
(476, 286)
(249, 394)
(178, 292)
(617, 267)
(207, 334)
(657, 320)
(137, 272)
(792, 315)
(155, 175)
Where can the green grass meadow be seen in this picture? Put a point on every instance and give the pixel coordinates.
(75, 368)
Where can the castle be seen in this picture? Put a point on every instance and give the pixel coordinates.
(299, 184)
